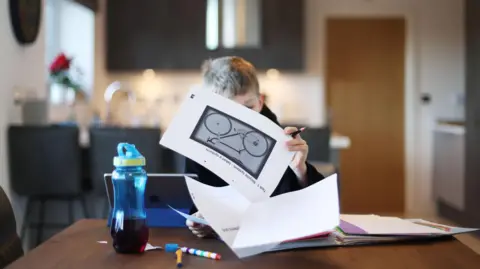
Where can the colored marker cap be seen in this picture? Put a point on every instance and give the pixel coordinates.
(171, 247)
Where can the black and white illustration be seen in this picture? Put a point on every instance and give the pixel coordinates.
(241, 143)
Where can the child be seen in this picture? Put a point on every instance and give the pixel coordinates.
(236, 79)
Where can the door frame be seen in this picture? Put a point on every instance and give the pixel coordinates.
(418, 189)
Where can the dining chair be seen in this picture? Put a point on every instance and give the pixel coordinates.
(10, 243)
(46, 165)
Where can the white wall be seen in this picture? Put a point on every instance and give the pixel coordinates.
(435, 65)
(71, 30)
(20, 66)
(77, 33)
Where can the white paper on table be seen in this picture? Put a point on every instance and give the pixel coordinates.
(239, 145)
(378, 225)
(443, 229)
(250, 228)
(148, 247)
(372, 224)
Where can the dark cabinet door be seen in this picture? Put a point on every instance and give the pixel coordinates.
(171, 34)
(157, 34)
(472, 147)
(471, 215)
(91, 4)
(282, 37)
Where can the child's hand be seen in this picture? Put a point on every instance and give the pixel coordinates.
(300, 146)
(198, 229)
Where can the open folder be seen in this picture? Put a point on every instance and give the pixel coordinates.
(372, 229)
(301, 219)
(250, 228)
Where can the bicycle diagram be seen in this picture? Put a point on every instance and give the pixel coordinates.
(236, 140)
(254, 143)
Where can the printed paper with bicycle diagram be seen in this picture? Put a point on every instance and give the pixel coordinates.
(241, 146)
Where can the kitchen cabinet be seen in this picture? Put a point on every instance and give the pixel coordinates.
(449, 165)
(165, 34)
(90, 4)
(171, 35)
(470, 214)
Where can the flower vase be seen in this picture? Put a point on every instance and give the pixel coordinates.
(82, 109)
(73, 98)
(80, 97)
(71, 114)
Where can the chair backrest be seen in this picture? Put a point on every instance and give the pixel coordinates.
(10, 244)
(318, 140)
(45, 160)
(103, 147)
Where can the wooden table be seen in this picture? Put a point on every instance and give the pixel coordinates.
(77, 247)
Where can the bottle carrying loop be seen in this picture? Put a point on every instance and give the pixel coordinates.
(127, 150)
(128, 155)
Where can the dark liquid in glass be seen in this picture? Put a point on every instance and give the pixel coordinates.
(132, 238)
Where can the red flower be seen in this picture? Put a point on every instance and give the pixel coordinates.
(60, 63)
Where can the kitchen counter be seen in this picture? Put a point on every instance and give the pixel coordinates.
(452, 127)
(337, 141)
(449, 164)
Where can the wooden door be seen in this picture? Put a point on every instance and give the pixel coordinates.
(365, 92)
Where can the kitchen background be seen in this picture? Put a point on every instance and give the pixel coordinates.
(155, 50)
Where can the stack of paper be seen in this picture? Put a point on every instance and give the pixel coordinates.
(248, 151)
(368, 229)
(286, 221)
(326, 240)
(373, 229)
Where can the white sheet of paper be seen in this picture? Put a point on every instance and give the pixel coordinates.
(148, 247)
(444, 229)
(152, 247)
(252, 228)
(378, 225)
(323, 242)
(239, 145)
(223, 207)
(190, 217)
(293, 215)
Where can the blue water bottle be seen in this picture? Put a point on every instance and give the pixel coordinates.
(129, 229)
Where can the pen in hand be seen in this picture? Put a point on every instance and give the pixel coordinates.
(294, 134)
